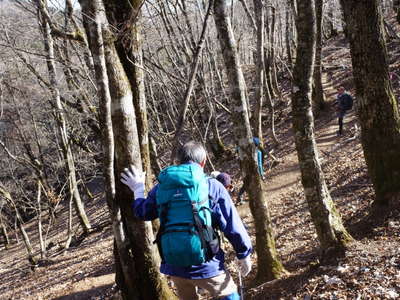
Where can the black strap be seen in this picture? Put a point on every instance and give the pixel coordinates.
(199, 225)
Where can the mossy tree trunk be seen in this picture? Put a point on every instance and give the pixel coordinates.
(269, 264)
(326, 219)
(377, 107)
(136, 257)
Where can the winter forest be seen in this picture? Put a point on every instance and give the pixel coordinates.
(91, 87)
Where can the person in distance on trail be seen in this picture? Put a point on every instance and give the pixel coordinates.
(183, 198)
(259, 157)
(344, 102)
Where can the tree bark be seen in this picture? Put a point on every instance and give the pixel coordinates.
(126, 17)
(60, 118)
(190, 86)
(20, 224)
(269, 264)
(326, 219)
(377, 107)
(318, 97)
(260, 71)
(137, 260)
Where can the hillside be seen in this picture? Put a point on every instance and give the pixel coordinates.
(370, 269)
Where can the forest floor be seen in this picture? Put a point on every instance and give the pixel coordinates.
(369, 270)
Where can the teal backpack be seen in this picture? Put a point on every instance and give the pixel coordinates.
(186, 236)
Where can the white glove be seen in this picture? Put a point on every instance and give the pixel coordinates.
(245, 265)
(134, 179)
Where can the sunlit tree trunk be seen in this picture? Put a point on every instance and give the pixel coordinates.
(377, 107)
(136, 257)
(129, 48)
(60, 118)
(326, 219)
(269, 264)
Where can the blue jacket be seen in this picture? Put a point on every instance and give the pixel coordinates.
(225, 216)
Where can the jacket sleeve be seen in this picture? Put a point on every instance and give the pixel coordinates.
(226, 217)
(146, 208)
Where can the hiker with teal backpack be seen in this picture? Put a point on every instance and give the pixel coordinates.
(259, 157)
(190, 206)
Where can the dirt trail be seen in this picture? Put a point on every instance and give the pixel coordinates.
(86, 277)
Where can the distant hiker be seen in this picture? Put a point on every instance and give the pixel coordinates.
(188, 203)
(259, 157)
(344, 102)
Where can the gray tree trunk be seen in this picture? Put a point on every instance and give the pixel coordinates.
(318, 96)
(260, 71)
(60, 118)
(269, 264)
(377, 107)
(136, 257)
(326, 219)
(20, 224)
(129, 48)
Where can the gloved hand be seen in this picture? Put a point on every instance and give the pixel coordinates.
(134, 179)
(245, 265)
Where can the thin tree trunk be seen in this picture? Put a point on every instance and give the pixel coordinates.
(318, 97)
(260, 74)
(326, 219)
(69, 225)
(288, 29)
(249, 15)
(19, 223)
(39, 216)
(269, 265)
(60, 119)
(4, 232)
(377, 107)
(188, 93)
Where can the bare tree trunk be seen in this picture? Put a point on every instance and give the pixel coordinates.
(60, 118)
(4, 231)
(269, 265)
(249, 15)
(19, 223)
(129, 48)
(260, 74)
(331, 233)
(39, 216)
(196, 60)
(288, 34)
(69, 225)
(136, 257)
(377, 107)
(318, 97)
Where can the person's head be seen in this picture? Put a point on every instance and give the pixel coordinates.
(341, 90)
(226, 181)
(192, 152)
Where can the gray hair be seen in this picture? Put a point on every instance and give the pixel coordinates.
(191, 151)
